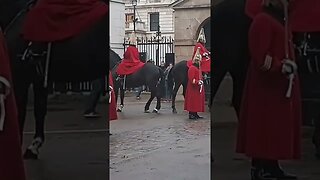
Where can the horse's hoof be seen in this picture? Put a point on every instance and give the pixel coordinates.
(119, 110)
(146, 111)
(174, 111)
(28, 154)
(155, 111)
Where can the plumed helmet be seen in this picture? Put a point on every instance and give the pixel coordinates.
(197, 56)
(133, 39)
(202, 36)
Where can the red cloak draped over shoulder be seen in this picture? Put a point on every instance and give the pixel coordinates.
(11, 162)
(131, 62)
(54, 20)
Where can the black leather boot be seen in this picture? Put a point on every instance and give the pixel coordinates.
(257, 170)
(258, 174)
(197, 116)
(275, 171)
(192, 116)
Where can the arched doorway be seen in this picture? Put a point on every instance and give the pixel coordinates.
(206, 25)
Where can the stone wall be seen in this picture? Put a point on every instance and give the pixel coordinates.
(189, 16)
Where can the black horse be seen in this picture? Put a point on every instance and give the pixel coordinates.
(81, 58)
(231, 54)
(149, 75)
(178, 76)
(230, 47)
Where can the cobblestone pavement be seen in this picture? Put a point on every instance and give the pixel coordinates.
(75, 147)
(161, 146)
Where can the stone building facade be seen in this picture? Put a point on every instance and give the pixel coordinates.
(190, 17)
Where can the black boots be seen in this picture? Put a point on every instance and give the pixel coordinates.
(257, 170)
(268, 170)
(194, 116)
(258, 174)
(273, 170)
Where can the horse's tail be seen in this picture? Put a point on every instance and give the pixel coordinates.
(170, 80)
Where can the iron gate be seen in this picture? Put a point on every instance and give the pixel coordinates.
(155, 48)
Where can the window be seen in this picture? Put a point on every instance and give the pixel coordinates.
(154, 21)
(129, 17)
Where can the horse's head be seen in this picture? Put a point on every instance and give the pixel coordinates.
(114, 59)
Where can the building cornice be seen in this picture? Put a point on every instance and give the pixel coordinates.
(117, 1)
(143, 6)
(193, 6)
(176, 3)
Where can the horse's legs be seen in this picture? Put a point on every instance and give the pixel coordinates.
(184, 86)
(218, 73)
(21, 94)
(40, 111)
(174, 94)
(40, 107)
(122, 91)
(153, 94)
(158, 96)
(116, 90)
(158, 106)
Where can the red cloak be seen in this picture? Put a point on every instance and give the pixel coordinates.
(54, 20)
(269, 123)
(11, 162)
(304, 14)
(194, 100)
(205, 62)
(131, 62)
(112, 105)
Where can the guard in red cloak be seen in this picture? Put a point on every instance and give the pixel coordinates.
(131, 62)
(112, 100)
(11, 163)
(54, 20)
(205, 54)
(195, 95)
(270, 123)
